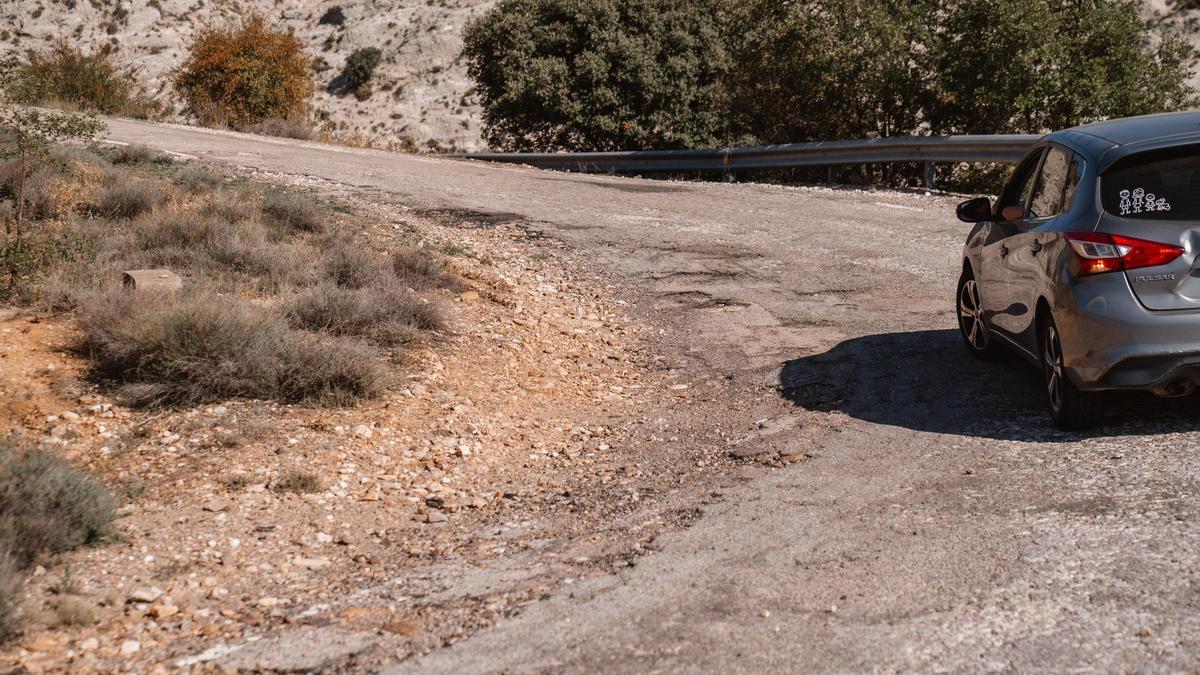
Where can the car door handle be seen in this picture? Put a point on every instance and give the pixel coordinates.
(1037, 246)
(1003, 251)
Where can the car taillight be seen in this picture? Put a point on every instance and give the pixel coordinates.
(1099, 253)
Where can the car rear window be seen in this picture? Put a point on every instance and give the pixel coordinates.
(1161, 185)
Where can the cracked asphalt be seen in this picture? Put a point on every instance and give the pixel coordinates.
(939, 523)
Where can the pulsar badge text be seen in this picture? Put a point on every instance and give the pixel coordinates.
(1155, 277)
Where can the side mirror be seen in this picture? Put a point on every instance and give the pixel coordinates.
(975, 210)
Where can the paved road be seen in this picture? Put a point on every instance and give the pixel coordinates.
(941, 523)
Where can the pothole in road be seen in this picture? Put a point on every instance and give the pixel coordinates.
(703, 301)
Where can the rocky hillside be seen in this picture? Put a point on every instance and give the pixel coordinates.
(422, 95)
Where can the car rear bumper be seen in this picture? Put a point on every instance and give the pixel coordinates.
(1111, 341)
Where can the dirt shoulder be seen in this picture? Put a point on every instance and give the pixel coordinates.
(544, 440)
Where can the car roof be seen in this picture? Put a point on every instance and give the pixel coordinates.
(1113, 140)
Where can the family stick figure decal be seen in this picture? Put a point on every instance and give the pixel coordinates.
(1140, 201)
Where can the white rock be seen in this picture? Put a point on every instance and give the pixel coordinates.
(146, 594)
(130, 647)
(363, 431)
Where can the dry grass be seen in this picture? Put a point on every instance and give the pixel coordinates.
(139, 154)
(227, 253)
(297, 128)
(386, 316)
(72, 610)
(347, 264)
(11, 583)
(294, 212)
(298, 482)
(46, 507)
(241, 251)
(201, 348)
(198, 179)
(421, 269)
(128, 198)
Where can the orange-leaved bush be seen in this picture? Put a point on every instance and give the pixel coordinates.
(240, 75)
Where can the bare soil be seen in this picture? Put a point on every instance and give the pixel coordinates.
(547, 423)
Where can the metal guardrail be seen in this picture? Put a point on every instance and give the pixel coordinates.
(925, 149)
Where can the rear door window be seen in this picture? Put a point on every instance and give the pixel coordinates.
(1052, 184)
(1158, 185)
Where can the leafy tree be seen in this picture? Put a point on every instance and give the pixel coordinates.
(825, 70)
(629, 74)
(26, 137)
(1006, 66)
(245, 74)
(600, 74)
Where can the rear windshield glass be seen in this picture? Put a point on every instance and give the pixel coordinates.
(1163, 185)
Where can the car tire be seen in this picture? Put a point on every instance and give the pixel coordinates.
(1072, 408)
(975, 333)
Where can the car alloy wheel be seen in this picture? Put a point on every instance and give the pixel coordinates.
(1052, 356)
(970, 316)
(1072, 408)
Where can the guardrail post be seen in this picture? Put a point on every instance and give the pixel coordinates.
(930, 174)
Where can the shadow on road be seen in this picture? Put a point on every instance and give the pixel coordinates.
(926, 381)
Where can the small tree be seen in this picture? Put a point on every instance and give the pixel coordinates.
(599, 74)
(26, 136)
(359, 67)
(245, 74)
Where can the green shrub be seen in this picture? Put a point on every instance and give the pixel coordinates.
(201, 348)
(635, 74)
(359, 68)
(239, 76)
(65, 75)
(383, 316)
(334, 16)
(845, 70)
(996, 71)
(294, 212)
(600, 74)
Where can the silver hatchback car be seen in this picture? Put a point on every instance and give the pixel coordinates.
(1089, 263)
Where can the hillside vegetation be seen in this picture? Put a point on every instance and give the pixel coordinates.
(420, 96)
(655, 74)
